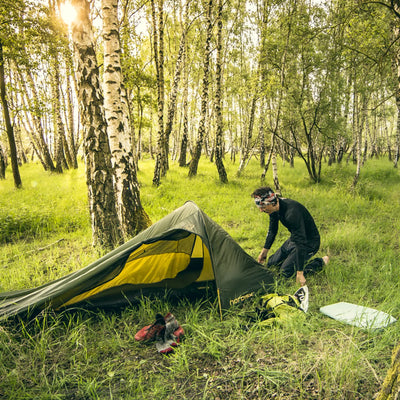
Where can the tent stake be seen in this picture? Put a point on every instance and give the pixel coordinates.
(219, 303)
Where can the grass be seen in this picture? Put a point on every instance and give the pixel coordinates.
(45, 234)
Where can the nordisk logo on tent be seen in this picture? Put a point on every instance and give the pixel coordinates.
(241, 298)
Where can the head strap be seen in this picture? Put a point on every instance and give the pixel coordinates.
(265, 199)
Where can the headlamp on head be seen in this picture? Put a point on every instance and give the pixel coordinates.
(265, 199)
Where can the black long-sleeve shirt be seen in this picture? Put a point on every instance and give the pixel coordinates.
(299, 222)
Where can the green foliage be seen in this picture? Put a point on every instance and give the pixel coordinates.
(93, 355)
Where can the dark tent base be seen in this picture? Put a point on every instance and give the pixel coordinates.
(192, 293)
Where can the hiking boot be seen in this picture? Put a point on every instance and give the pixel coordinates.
(302, 296)
(165, 347)
(150, 332)
(179, 333)
(171, 325)
(173, 331)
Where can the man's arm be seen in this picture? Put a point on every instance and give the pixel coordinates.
(272, 230)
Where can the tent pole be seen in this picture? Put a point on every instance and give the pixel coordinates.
(219, 303)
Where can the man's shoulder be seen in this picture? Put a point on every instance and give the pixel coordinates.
(290, 206)
(290, 202)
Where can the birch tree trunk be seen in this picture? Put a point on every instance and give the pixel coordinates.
(72, 142)
(140, 124)
(261, 134)
(158, 46)
(218, 101)
(247, 143)
(21, 156)
(3, 163)
(31, 97)
(269, 158)
(174, 93)
(99, 174)
(397, 149)
(132, 217)
(28, 125)
(185, 112)
(57, 120)
(357, 131)
(275, 174)
(60, 145)
(276, 123)
(194, 163)
(396, 73)
(8, 123)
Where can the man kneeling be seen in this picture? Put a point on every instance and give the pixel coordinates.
(304, 240)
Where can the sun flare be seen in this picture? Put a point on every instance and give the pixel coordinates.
(68, 13)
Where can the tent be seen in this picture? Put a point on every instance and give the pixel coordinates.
(184, 249)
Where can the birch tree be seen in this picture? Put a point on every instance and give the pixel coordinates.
(8, 122)
(277, 89)
(246, 143)
(99, 174)
(131, 214)
(70, 125)
(34, 113)
(185, 112)
(3, 163)
(194, 163)
(218, 101)
(396, 75)
(174, 91)
(11, 12)
(54, 47)
(57, 119)
(158, 49)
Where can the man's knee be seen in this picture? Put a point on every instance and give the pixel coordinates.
(288, 270)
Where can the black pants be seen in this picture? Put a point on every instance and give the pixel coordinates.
(285, 257)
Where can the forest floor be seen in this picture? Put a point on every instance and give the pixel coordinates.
(45, 234)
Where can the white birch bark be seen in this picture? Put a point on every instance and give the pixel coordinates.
(130, 212)
(99, 175)
(194, 163)
(218, 101)
(31, 99)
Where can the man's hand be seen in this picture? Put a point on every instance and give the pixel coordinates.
(300, 278)
(263, 255)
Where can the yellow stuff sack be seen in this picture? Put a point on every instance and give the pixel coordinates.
(277, 308)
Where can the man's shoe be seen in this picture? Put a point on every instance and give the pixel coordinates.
(302, 296)
(150, 332)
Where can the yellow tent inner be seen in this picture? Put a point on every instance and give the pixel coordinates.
(155, 262)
